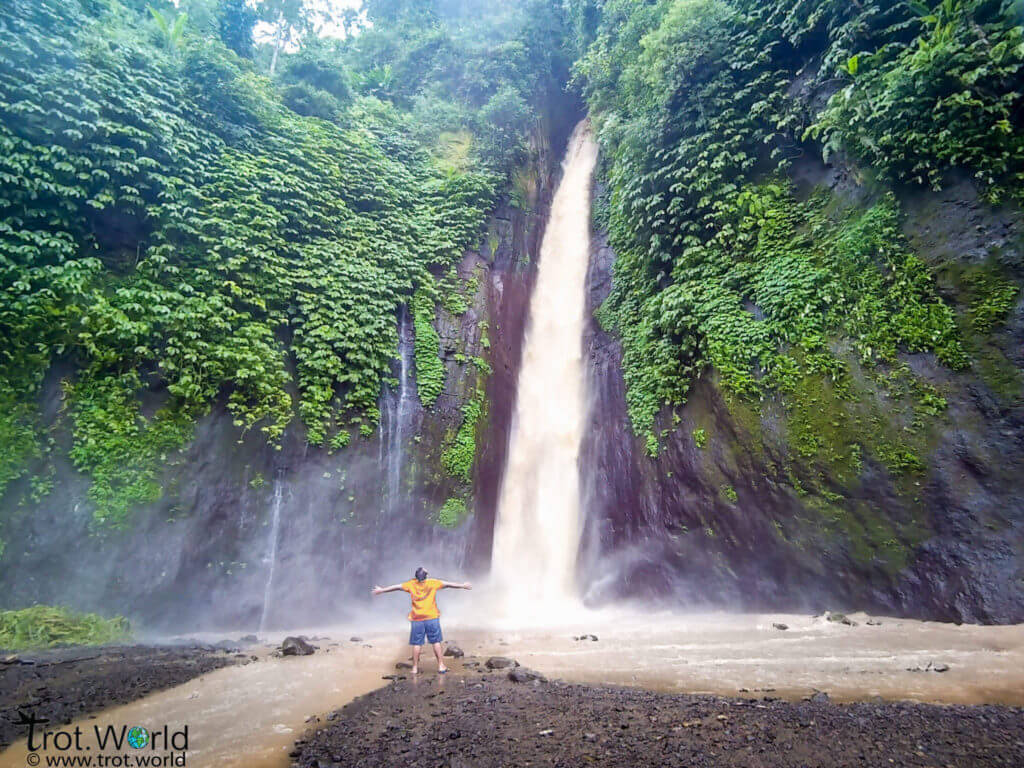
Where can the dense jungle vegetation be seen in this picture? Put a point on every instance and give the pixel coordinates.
(188, 213)
(704, 106)
(194, 210)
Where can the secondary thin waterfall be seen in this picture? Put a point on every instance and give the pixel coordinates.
(395, 406)
(537, 531)
(396, 430)
(271, 558)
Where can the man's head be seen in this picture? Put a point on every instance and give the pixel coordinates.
(421, 574)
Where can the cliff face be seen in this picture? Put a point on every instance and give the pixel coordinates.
(731, 513)
(245, 533)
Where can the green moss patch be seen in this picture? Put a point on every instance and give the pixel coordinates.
(452, 512)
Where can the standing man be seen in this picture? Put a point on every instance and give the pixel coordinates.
(424, 616)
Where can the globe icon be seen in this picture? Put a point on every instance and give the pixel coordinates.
(138, 737)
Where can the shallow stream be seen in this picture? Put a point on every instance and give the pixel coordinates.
(251, 715)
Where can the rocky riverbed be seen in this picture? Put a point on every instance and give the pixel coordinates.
(481, 718)
(61, 685)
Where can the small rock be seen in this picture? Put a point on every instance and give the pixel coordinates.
(296, 646)
(940, 668)
(403, 665)
(248, 640)
(10, 659)
(841, 618)
(780, 626)
(593, 637)
(873, 623)
(819, 697)
(546, 732)
(590, 737)
(524, 675)
(355, 639)
(392, 677)
(454, 651)
(500, 662)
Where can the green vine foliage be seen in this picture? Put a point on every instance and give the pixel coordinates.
(430, 370)
(700, 108)
(123, 450)
(168, 224)
(458, 458)
(946, 100)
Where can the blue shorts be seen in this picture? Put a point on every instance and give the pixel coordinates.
(430, 628)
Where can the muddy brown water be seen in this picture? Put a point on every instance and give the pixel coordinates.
(251, 715)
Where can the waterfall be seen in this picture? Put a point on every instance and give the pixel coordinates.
(396, 447)
(275, 526)
(395, 416)
(537, 530)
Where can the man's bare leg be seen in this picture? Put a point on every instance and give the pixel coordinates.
(440, 662)
(416, 659)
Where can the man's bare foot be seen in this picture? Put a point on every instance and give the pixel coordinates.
(415, 671)
(442, 670)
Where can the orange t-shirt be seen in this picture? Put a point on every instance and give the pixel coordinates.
(424, 598)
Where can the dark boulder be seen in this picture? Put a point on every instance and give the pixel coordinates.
(500, 662)
(524, 675)
(296, 646)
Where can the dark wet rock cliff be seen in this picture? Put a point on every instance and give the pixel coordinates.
(731, 514)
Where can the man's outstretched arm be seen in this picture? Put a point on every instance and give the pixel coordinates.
(381, 590)
(454, 585)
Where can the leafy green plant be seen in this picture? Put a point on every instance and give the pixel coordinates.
(172, 32)
(45, 626)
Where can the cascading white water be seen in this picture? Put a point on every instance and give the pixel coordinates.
(395, 415)
(275, 526)
(537, 531)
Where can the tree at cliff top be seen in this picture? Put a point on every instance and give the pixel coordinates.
(177, 224)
